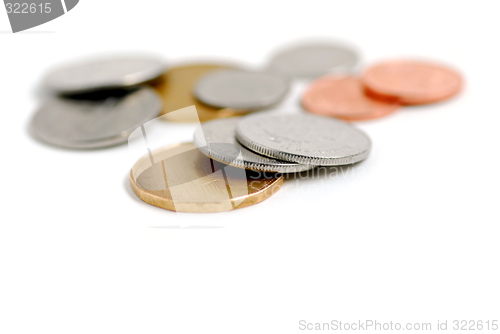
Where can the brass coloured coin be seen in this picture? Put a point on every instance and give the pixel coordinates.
(180, 178)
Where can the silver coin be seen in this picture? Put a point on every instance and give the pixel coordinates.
(84, 124)
(241, 90)
(216, 139)
(104, 73)
(303, 138)
(308, 61)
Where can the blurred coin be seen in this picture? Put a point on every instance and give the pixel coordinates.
(303, 138)
(411, 82)
(344, 98)
(105, 73)
(216, 139)
(74, 123)
(177, 93)
(241, 90)
(311, 60)
(180, 178)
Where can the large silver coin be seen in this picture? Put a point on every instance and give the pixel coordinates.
(307, 61)
(84, 124)
(303, 138)
(216, 139)
(104, 73)
(241, 90)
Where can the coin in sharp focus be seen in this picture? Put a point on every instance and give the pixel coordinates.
(180, 178)
(311, 60)
(104, 73)
(241, 90)
(216, 139)
(411, 82)
(344, 97)
(176, 90)
(303, 138)
(84, 124)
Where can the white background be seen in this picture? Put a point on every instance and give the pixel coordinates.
(411, 236)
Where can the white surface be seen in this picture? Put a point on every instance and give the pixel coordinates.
(412, 235)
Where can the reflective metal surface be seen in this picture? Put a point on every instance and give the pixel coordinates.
(303, 138)
(241, 90)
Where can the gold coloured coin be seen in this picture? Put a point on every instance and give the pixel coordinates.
(180, 178)
(176, 91)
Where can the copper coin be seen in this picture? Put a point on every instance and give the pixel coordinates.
(411, 82)
(344, 98)
(176, 92)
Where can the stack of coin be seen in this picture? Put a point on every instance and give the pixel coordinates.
(181, 178)
(98, 103)
(381, 90)
(282, 142)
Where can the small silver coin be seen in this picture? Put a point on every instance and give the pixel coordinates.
(84, 124)
(307, 61)
(104, 73)
(303, 138)
(216, 139)
(241, 90)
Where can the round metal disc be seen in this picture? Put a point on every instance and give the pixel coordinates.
(180, 178)
(303, 138)
(105, 73)
(216, 139)
(411, 82)
(91, 124)
(314, 60)
(241, 89)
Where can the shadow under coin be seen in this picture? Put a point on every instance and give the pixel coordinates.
(324, 172)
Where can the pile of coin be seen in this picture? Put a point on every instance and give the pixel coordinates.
(381, 90)
(98, 103)
(261, 142)
(236, 158)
